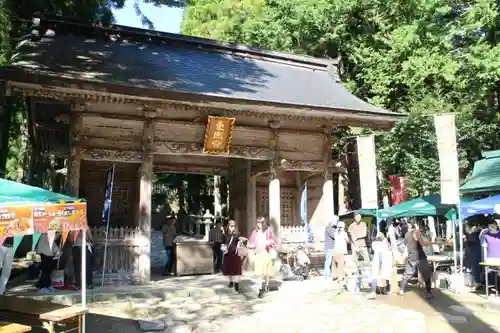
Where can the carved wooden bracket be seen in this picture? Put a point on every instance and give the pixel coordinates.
(148, 136)
(111, 155)
(196, 149)
(274, 148)
(194, 169)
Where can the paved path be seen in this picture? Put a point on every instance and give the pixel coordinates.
(206, 304)
(297, 307)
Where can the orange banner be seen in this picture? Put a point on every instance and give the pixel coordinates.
(218, 135)
(64, 236)
(60, 217)
(16, 221)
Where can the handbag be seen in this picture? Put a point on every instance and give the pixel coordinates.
(273, 254)
(241, 250)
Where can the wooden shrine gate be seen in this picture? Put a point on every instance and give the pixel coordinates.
(142, 100)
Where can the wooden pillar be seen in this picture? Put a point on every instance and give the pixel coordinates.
(298, 198)
(73, 173)
(328, 196)
(145, 178)
(342, 202)
(73, 166)
(251, 198)
(274, 182)
(217, 197)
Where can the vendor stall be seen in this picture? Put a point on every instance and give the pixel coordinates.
(486, 206)
(431, 205)
(27, 210)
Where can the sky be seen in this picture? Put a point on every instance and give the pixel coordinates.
(164, 18)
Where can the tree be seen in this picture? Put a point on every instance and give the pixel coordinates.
(415, 57)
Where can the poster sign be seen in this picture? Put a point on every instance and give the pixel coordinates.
(60, 217)
(398, 189)
(16, 221)
(110, 176)
(448, 158)
(367, 172)
(218, 135)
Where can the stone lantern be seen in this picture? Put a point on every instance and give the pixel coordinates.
(207, 221)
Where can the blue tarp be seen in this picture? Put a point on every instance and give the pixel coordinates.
(483, 206)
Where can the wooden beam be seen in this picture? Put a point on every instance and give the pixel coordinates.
(196, 149)
(259, 169)
(46, 126)
(191, 169)
(290, 165)
(195, 125)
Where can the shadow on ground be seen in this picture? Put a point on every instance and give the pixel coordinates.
(186, 304)
(447, 313)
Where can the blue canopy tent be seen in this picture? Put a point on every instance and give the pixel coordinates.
(485, 206)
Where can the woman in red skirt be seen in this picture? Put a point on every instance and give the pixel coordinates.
(231, 265)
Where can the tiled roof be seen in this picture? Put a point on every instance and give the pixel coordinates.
(169, 62)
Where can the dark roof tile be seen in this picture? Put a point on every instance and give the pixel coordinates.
(201, 68)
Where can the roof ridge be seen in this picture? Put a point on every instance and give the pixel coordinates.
(197, 42)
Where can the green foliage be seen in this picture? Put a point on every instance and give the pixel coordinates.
(418, 57)
(187, 192)
(17, 156)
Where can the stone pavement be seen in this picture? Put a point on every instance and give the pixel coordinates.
(297, 307)
(196, 304)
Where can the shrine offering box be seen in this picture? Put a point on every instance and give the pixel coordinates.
(193, 256)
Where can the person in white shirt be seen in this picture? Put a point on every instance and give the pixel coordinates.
(47, 252)
(339, 252)
(77, 258)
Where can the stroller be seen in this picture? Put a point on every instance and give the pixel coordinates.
(297, 266)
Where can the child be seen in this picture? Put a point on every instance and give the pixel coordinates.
(381, 264)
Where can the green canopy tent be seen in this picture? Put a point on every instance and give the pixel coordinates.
(485, 176)
(382, 213)
(17, 193)
(429, 205)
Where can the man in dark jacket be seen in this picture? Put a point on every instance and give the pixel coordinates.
(329, 243)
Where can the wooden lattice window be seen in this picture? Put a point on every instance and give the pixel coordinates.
(120, 199)
(263, 207)
(287, 206)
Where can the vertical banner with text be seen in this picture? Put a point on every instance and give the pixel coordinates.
(367, 172)
(448, 158)
(106, 212)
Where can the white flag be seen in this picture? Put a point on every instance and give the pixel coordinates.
(51, 235)
(367, 172)
(448, 158)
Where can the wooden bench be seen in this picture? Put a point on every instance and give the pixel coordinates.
(6, 327)
(55, 318)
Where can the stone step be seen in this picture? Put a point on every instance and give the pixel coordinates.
(173, 287)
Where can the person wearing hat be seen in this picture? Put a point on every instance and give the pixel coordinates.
(339, 252)
(329, 245)
(358, 232)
